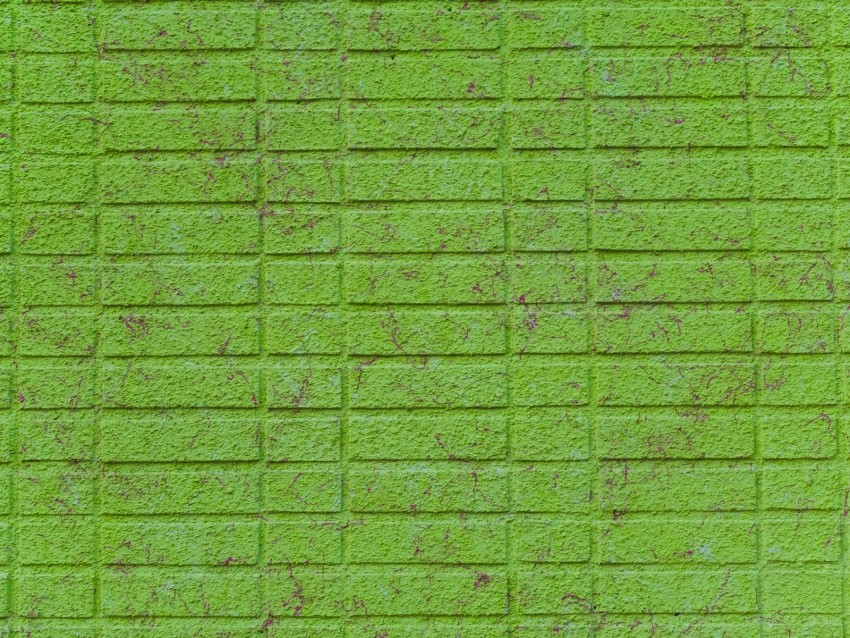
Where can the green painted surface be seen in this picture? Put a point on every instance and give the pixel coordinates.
(424, 319)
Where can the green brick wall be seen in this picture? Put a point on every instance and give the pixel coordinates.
(417, 319)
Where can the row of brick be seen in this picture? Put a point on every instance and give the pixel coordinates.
(412, 178)
(426, 228)
(578, 624)
(530, 281)
(610, 330)
(322, 126)
(432, 383)
(573, 487)
(555, 75)
(526, 434)
(703, 540)
(463, 27)
(326, 592)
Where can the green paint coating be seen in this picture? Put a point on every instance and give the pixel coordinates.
(424, 319)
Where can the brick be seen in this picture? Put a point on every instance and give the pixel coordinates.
(45, 181)
(420, 320)
(175, 181)
(658, 486)
(548, 180)
(551, 74)
(424, 489)
(550, 384)
(454, 281)
(554, 590)
(183, 384)
(303, 385)
(302, 491)
(548, 128)
(303, 331)
(672, 279)
(631, 591)
(670, 179)
(56, 383)
(788, 226)
(180, 230)
(308, 126)
(177, 437)
(790, 74)
(811, 537)
(140, 28)
(420, 331)
(55, 230)
(192, 127)
(463, 436)
(395, 229)
(545, 330)
(57, 436)
(447, 76)
(183, 77)
(550, 540)
(676, 76)
(672, 328)
(202, 593)
(302, 541)
(55, 29)
(551, 279)
(404, 29)
(674, 383)
(417, 592)
(52, 79)
(552, 487)
(380, 384)
(55, 488)
(790, 27)
(662, 26)
(180, 544)
(704, 435)
(449, 542)
(179, 331)
(301, 181)
(310, 282)
(305, 592)
(316, 439)
(548, 227)
(801, 486)
(56, 333)
(55, 594)
(294, 229)
(792, 179)
(799, 433)
(56, 129)
(806, 590)
(158, 283)
(170, 491)
(373, 127)
(547, 28)
(781, 126)
(796, 330)
(297, 27)
(785, 383)
(618, 124)
(63, 541)
(550, 434)
(782, 279)
(290, 77)
(415, 179)
(715, 539)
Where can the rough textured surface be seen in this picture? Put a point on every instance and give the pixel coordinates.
(417, 319)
